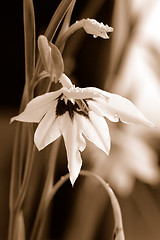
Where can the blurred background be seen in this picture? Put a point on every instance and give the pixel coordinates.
(127, 64)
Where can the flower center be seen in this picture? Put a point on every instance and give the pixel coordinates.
(80, 106)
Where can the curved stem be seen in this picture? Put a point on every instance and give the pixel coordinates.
(41, 76)
(118, 233)
(66, 24)
(73, 28)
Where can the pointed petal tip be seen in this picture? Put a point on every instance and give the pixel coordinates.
(72, 180)
(38, 146)
(14, 119)
(11, 120)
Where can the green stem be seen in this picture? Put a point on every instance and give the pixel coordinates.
(73, 28)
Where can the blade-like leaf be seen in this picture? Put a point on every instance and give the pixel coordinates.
(57, 18)
(29, 38)
(66, 23)
(53, 26)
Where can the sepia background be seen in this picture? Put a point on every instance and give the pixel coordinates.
(127, 64)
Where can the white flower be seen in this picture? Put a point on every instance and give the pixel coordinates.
(74, 113)
(91, 26)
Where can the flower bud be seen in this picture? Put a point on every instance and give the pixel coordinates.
(91, 26)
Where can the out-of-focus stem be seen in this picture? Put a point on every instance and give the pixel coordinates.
(47, 189)
(16, 202)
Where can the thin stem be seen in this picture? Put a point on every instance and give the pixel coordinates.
(41, 76)
(118, 233)
(27, 174)
(73, 28)
(66, 24)
(14, 178)
(51, 30)
(16, 171)
(15, 204)
(47, 187)
(29, 39)
(49, 198)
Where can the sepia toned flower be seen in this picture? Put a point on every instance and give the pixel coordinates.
(74, 113)
(91, 26)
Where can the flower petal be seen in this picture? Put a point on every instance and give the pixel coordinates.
(37, 107)
(74, 143)
(82, 93)
(112, 106)
(47, 130)
(116, 107)
(96, 130)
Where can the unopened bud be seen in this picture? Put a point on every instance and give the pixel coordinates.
(91, 26)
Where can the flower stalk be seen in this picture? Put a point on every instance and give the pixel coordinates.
(49, 182)
(91, 26)
(118, 233)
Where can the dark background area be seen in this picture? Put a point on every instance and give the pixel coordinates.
(12, 48)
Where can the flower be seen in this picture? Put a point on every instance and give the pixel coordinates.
(91, 26)
(74, 113)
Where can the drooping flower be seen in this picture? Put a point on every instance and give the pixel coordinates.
(91, 26)
(74, 113)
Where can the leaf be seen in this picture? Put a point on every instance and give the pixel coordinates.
(29, 38)
(57, 18)
(53, 26)
(66, 24)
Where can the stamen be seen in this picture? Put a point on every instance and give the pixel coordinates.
(83, 106)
